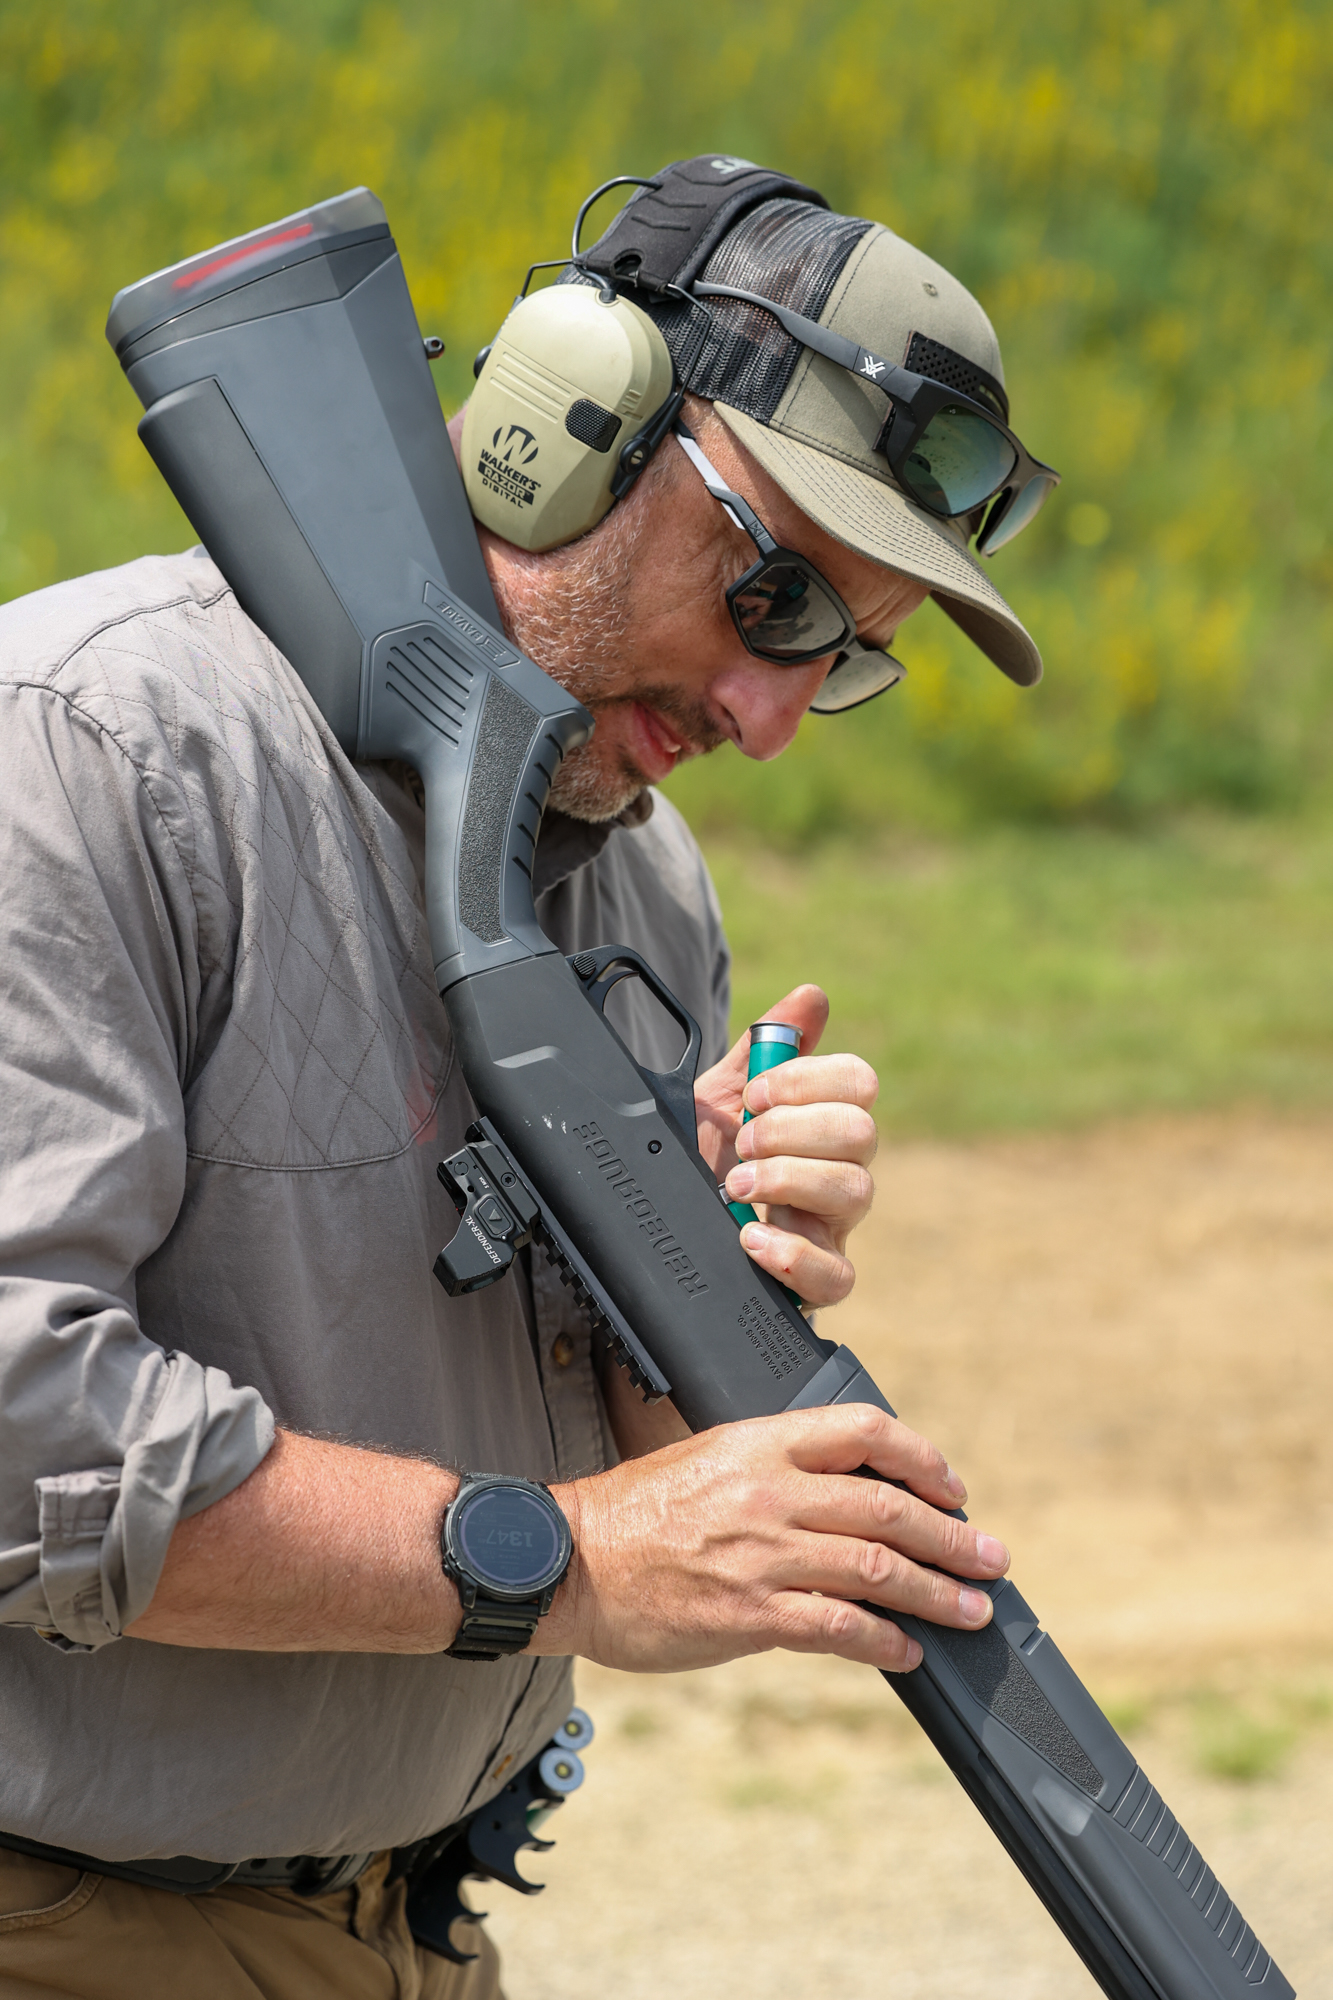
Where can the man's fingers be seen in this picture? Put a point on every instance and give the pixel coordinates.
(823, 1131)
(810, 1079)
(810, 1624)
(840, 1566)
(843, 1437)
(815, 1271)
(877, 1512)
(839, 1192)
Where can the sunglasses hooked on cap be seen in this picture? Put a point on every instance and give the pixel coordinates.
(943, 447)
(773, 306)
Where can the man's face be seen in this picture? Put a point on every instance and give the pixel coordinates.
(633, 620)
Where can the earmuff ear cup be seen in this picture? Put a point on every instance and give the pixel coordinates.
(570, 379)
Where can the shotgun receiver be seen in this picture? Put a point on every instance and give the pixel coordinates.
(289, 406)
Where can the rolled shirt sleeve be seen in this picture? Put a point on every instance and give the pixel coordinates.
(106, 1440)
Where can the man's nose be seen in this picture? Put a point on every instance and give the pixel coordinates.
(764, 703)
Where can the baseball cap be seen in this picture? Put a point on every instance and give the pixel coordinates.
(811, 424)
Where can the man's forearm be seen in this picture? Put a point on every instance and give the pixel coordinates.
(322, 1549)
(745, 1537)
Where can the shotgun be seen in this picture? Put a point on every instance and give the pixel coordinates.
(289, 406)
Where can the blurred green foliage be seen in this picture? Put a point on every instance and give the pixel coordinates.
(1136, 189)
(1014, 979)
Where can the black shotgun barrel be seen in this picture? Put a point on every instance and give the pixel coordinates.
(289, 405)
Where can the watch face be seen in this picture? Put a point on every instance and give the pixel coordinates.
(509, 1539)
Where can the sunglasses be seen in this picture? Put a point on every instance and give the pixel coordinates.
(947, 451)
(786, 612)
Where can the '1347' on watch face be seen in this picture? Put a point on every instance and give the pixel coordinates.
(506, 1545)
(506, 1536)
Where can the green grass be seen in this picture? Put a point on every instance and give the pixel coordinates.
(1023, 978)
(1230, 1742)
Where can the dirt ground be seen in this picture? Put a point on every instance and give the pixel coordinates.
(1122, 1340)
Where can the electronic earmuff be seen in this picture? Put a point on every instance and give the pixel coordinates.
(578, 388)
(573, 398)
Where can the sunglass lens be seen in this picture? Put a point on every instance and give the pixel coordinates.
(1010, 516)
(784, 612)
(856, 676)
(957, 462)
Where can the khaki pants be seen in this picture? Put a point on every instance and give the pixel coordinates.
(66, 1936)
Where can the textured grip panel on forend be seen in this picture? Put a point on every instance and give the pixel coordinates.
(993, 1672)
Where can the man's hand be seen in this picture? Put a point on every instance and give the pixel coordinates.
(758, 1535)
(804, 1159)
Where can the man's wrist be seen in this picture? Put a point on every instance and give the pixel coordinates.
(557, 1636)
(505, 1545)
(448, 1611)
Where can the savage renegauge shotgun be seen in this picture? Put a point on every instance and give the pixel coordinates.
(290, 408)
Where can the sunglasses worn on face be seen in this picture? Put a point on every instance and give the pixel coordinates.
(786, 612)
(946, 451)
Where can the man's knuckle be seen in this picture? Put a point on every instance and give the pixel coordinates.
(837, 1279)
(878, 1566)
(866, 1082)
(867, 1426)
(862, 1129)
(840, 1621)
(960, 1542)
(758, 1497)
(888, 1505)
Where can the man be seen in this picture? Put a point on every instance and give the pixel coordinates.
(234, 1405)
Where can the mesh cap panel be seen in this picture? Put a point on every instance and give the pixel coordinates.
(943, 364)
(733, 353)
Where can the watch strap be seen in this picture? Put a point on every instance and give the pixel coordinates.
(491, 1630)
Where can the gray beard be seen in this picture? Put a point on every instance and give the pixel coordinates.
(569, 610)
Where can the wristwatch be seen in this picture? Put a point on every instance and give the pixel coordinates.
(506, 1545)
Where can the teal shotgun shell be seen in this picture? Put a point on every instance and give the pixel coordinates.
(771, 1043)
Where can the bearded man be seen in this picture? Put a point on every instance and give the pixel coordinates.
(235, 1408)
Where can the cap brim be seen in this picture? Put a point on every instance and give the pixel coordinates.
(879, 522)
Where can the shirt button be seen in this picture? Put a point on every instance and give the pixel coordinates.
(562, 1350)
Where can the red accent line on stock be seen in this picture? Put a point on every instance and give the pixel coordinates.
(187, 279)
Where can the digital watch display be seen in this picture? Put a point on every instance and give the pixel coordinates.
(506, 1545)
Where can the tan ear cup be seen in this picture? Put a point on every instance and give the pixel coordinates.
(570, 379)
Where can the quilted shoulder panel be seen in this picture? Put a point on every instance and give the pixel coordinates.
(320, 1040)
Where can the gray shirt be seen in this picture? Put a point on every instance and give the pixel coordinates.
(227, 1080)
